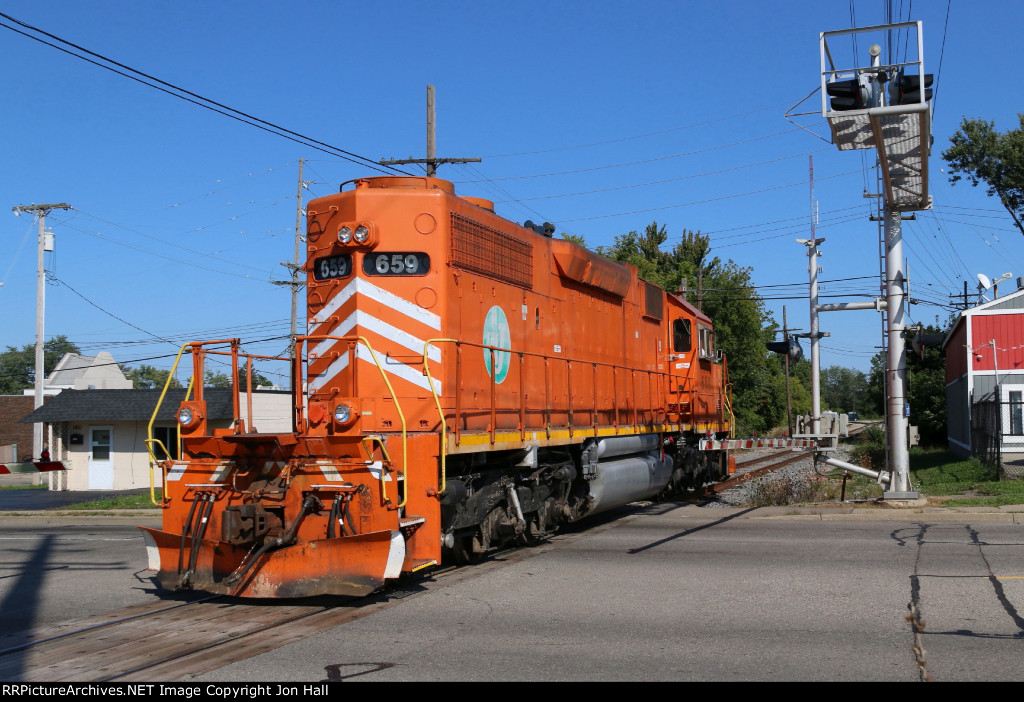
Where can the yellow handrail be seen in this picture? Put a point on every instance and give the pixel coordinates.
(440, 411)
(398, 407)
(152, 457)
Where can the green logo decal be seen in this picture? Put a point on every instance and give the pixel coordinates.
(497, 334)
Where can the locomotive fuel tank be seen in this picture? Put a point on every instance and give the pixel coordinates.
(620, 470)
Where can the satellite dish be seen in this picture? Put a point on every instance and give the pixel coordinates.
(984, 282)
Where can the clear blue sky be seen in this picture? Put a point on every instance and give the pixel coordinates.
(597, 116)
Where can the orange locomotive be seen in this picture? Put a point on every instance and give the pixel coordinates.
(465, 382)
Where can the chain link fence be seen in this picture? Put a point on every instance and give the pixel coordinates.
(997, 434)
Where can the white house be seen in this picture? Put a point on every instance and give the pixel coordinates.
(100, 434)
(77, 372)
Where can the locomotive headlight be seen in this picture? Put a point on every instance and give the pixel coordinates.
(342, 413)
(186, 416)
(345, 235)
(362, 234)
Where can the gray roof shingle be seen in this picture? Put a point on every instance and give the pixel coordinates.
(125, 405)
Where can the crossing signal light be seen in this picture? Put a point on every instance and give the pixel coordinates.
(906, 90)
(790, 347)
(847, 95)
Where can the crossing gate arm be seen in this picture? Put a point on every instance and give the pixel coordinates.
(28, 467)
(733, 444)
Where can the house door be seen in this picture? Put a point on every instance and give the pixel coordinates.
(101, 461)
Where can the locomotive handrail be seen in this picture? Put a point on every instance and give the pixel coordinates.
(299, 340)
(153, 462)
(440, 411)
(652, 375)
(237, 423)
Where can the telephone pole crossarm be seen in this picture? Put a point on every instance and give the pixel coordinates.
(431, 161)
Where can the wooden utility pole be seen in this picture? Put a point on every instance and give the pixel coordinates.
(295, 267)
(295, 262)
(431, 161)
(40, 211)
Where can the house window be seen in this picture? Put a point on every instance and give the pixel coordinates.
(1011, 413)
(168, 436)
(1015, 402)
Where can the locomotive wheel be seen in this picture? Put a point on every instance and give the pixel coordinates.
(534, 532)
(462, 550)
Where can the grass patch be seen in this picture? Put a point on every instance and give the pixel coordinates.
(933, 473)
(23, 487)
(779, 490)
(132, 501)
(968, 481)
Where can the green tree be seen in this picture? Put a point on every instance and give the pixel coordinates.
(575, 238)
(216, 379)
(839, 385)
(18, 366)
(927, 392)
(982, 155)
(146, 377)
(742, 324)
(873, 398)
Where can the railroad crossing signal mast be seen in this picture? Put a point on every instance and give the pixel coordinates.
(884, 106)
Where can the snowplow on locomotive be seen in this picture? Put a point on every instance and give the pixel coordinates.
(465, 381)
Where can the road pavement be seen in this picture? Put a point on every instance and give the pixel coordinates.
(666, 591)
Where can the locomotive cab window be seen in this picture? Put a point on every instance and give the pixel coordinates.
(707, 343)
(328, 267)
(682, 340)
(396, 263)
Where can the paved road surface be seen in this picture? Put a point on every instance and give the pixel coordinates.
(667, 592)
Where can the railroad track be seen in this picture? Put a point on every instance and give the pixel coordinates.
(171, 641)
(162, 642)
(747, 471)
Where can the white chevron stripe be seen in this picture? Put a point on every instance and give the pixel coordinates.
(328, 468)
(396, 556)
(396, 368)
(221, 471)
(384, 297)
(315, 382)
(377, 326)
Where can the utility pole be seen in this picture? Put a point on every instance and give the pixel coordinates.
(789, 401)
(295, 267)
(814, 335)
(431, 161)
(40, 211)
(295, 261)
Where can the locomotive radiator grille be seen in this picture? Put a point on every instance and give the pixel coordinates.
(482, 249)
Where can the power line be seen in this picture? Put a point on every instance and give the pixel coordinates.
(667, 180)
(637, 136)
(701, 202)
(193, 98)
(642, 161)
